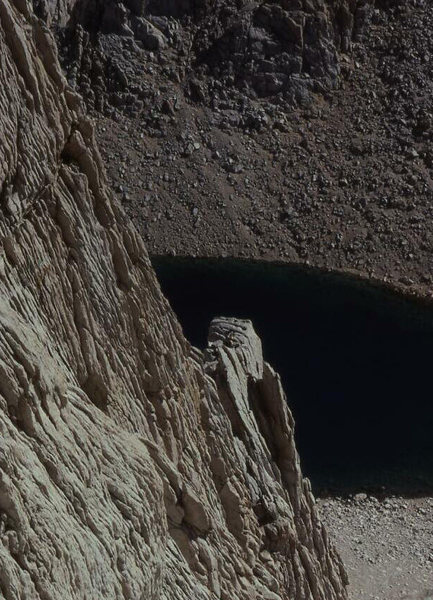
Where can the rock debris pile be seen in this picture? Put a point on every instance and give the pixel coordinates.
(286, 130)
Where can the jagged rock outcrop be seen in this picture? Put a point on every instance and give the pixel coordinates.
(131, 467)
(232, 49)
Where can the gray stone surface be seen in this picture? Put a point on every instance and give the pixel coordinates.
(130, 466)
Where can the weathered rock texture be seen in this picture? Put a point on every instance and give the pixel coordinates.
(278, 48)
(130, 468)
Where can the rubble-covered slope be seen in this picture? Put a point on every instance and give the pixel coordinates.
(131, 467)
(289, 130)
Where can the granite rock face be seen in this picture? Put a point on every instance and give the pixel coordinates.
(131, 466)
(282, 50)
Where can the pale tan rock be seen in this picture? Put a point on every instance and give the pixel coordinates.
(129, 468)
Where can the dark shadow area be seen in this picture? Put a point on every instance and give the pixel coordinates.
(355, 360)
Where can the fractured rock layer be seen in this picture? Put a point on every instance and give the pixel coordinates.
(284, 48)
(130, 465)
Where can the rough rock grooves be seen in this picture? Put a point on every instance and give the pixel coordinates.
(129, 467)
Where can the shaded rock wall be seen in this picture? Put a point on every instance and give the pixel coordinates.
(267, 47)
(130, 466)
(285, 48)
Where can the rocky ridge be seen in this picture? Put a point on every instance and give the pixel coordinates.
(226, 53)
(131, 466)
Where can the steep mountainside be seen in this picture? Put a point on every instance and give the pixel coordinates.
(291, 130)
(131, 466)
